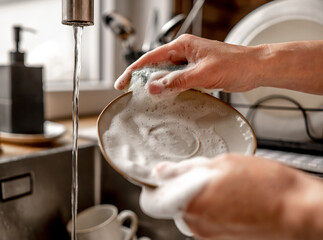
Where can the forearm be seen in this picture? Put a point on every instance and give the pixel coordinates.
(293, 65)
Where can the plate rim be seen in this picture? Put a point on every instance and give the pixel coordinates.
(33, 138)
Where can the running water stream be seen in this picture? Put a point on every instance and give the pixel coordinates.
(76, 83)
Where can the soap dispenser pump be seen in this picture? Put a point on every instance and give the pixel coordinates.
(18, 57)
(21, 93)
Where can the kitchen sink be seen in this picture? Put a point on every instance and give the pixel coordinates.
(35, 194)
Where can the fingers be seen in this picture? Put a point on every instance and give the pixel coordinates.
(180, 181)
(169, 53)
(167, 170)
(179, 80)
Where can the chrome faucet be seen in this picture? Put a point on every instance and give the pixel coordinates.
(78, 12)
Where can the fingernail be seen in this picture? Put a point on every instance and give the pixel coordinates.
(155, 88)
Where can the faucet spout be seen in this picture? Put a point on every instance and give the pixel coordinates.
(78, 12)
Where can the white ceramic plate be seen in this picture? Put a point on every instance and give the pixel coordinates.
(52, 131)
(224, 120)
(281, 21)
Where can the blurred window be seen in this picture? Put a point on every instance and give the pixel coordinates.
(52, 46)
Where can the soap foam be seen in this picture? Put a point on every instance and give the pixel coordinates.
(172, 198)
(153, 129)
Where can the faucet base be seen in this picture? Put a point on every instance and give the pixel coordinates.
(78, 12)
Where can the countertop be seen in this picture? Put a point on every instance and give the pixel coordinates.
(86, 125)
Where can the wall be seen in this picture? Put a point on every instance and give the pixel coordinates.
(220, 16)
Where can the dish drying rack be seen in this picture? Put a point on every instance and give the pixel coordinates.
(305, 155)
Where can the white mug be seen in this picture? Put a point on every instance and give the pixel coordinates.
(102, 222)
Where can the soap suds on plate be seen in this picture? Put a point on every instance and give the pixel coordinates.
(170, 127)
(151, 129)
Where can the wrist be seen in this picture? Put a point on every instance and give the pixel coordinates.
(264, 63)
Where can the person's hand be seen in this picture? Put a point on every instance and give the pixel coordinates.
(178, 183)
(211, 65)
(246, 198)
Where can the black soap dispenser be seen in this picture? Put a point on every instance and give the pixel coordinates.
(21, 93)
